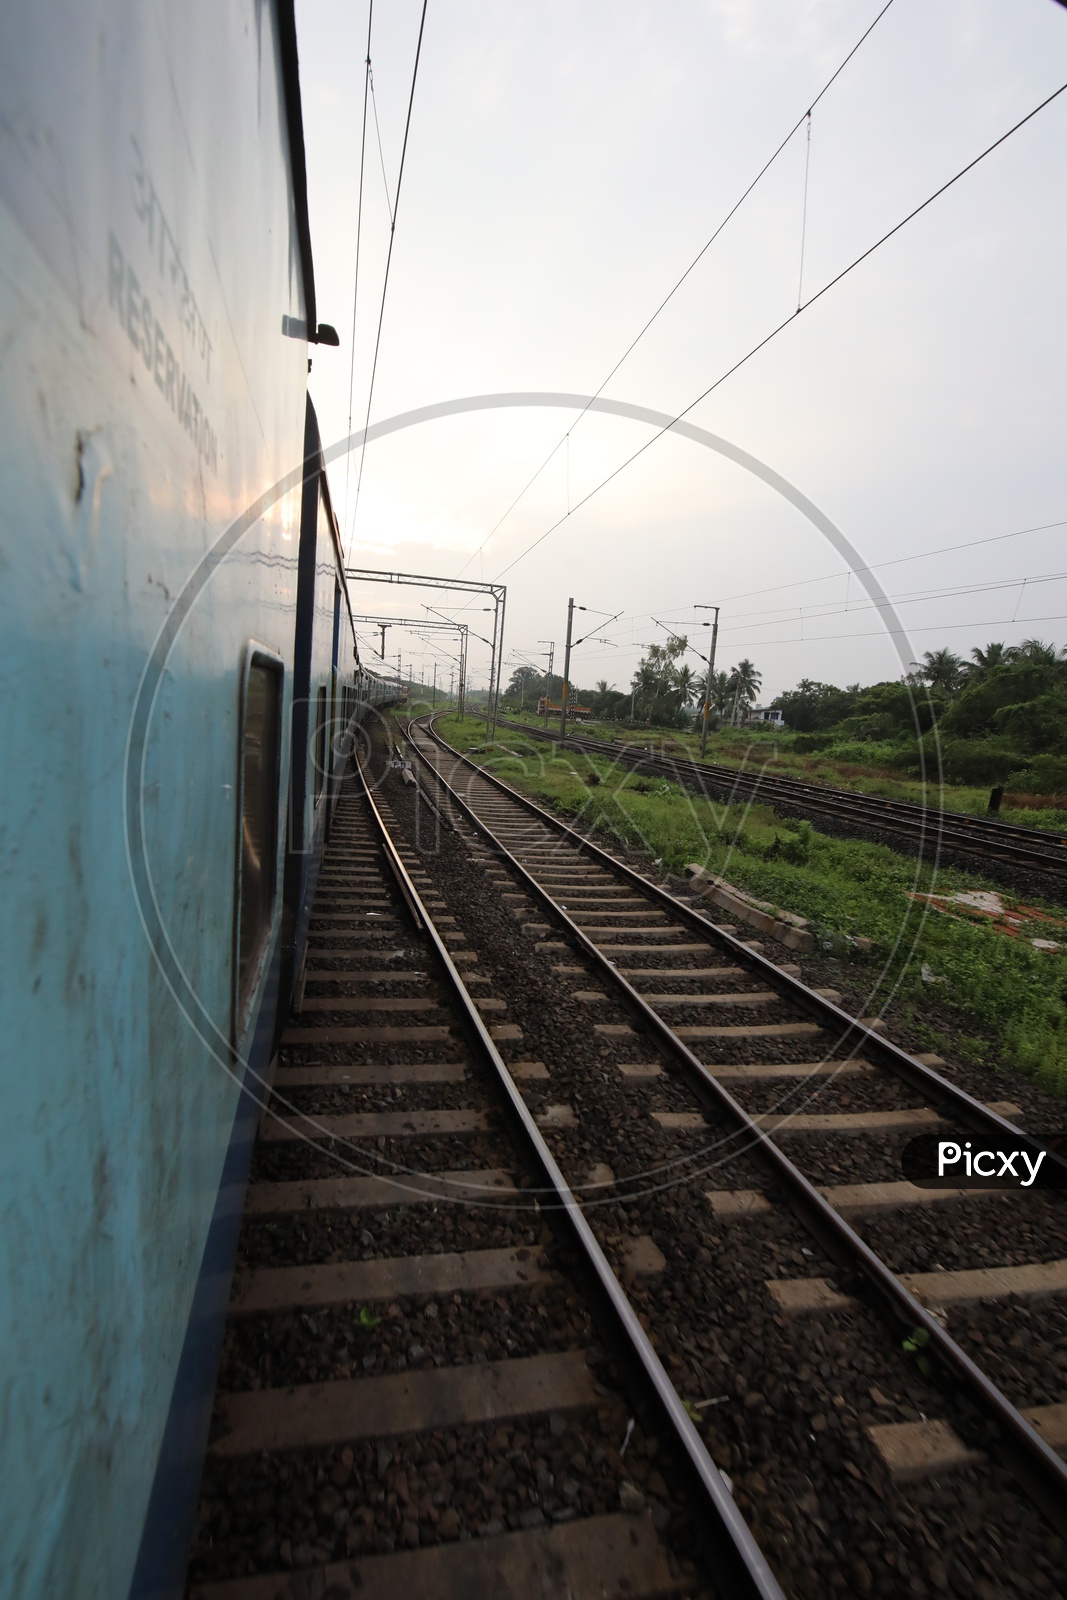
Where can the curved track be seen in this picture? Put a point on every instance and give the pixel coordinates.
(362, 1430)
(928, 829)
(734, 1025)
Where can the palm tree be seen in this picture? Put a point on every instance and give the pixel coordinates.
(744, 684)
(719, 695)
(1036, 651)
(985, 661)
(685, 684)
(942, 669)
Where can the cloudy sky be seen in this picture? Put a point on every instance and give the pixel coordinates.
(566, 163)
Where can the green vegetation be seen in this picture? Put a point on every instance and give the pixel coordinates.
(998, 720)
(664, 692)
(997, 1000)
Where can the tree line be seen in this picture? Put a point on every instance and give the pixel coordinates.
(1000, 714)
(664, 691)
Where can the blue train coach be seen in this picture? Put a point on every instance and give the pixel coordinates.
(178, 671)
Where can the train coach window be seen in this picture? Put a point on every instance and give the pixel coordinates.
(261, 722)
(320, 742)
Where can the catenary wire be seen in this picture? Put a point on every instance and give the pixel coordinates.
(805, 116)
(388, 262)
(896, 561)
(781, 619)
(773, 334)
(359, 228)
(381, 152)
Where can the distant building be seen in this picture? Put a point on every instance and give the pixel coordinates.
(773, 718)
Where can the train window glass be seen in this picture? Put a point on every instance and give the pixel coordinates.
(257, 871)
(320, 742)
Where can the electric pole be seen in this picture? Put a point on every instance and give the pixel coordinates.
(566, 671)
(433, 702)
(707, 685)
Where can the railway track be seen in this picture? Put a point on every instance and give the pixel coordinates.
(433, 1380)
(767, 1107)
(930, 830)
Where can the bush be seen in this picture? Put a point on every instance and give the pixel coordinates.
(974, 760)
(1041, 775)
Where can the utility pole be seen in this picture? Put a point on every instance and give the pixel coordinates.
(551, 643)
(451, 681)
(462, 670)
(433, 702)
(707, 685)
(566, 670)
(492, 674)
(500, 655)
(383, 626)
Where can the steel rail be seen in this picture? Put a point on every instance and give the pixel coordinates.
(925, 1079)
(944, 829)
(1038, 1466)
(992, 826)
(740, 1568)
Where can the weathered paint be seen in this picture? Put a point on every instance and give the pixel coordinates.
(147, 257)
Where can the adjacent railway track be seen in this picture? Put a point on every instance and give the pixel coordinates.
(736, 1071)
(433, 1380)
(930, 830)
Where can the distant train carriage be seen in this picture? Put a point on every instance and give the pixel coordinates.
(178, 668)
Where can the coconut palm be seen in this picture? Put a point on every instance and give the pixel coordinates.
(1036, 651)
(744, 685)
(685, 685)
(994, 655)
(942, 669)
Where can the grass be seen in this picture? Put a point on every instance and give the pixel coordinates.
(1004, 1000)
(866, 769)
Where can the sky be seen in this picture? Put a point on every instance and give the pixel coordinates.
(566, 162)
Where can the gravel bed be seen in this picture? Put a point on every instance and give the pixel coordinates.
(1040, 1112)
(369, 1055)
(833, 1158)
(300, 1509)
(340, 1098)
(1022, 1345)
(300, 1162)
(303, 1509)
(1009, 1229)
(320, 1236)
(792, 1398)
(312, 1347)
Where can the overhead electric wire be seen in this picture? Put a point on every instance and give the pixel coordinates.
(780, 619)
(381, 152)
(388, 261)
(874, 566)
(914, 597)
(359, 229)
(896, 561)
(701, 253)
(767, 338)
(880, 633)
